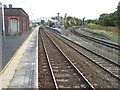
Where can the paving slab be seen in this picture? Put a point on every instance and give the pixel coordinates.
(10, 45)
(22, 72)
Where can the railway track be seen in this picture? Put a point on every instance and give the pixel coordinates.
(108, 44)
(103, 50)
(108, 65)
(44, 77)
(64, 73)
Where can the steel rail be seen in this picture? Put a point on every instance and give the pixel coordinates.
(75, 68)
(90, 50)
(111, 45)
(53, 76)
(89, 57)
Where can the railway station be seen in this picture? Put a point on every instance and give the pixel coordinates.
(56, 54)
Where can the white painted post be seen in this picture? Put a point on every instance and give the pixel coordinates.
(3, 21)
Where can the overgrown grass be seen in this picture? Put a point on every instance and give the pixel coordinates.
(114, 36)
(99, 27)
(110, 32)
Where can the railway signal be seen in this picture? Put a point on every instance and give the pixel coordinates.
(83, 22)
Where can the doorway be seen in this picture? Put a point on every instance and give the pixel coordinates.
(14, 26)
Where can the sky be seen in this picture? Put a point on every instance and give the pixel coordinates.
(90, 9)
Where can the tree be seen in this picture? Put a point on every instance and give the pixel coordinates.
(77, 21)
(118, 13)
(54, 18)
(108, 19)
(101, 20)
(42, 21)
(95, 21)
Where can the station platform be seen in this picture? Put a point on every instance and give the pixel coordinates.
(22, 69)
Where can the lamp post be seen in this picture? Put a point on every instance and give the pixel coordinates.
(3, 21)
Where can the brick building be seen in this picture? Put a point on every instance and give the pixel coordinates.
(16, 20)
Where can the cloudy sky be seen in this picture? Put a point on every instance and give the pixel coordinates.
(91, 9)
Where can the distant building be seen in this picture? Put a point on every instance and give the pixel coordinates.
(16, 21)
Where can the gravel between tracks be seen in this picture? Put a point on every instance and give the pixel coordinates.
(97, 76)
(62, 69)
(44, 77)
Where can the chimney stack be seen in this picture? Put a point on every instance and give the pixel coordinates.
(10, 5)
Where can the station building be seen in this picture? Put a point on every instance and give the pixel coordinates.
(16, 20)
